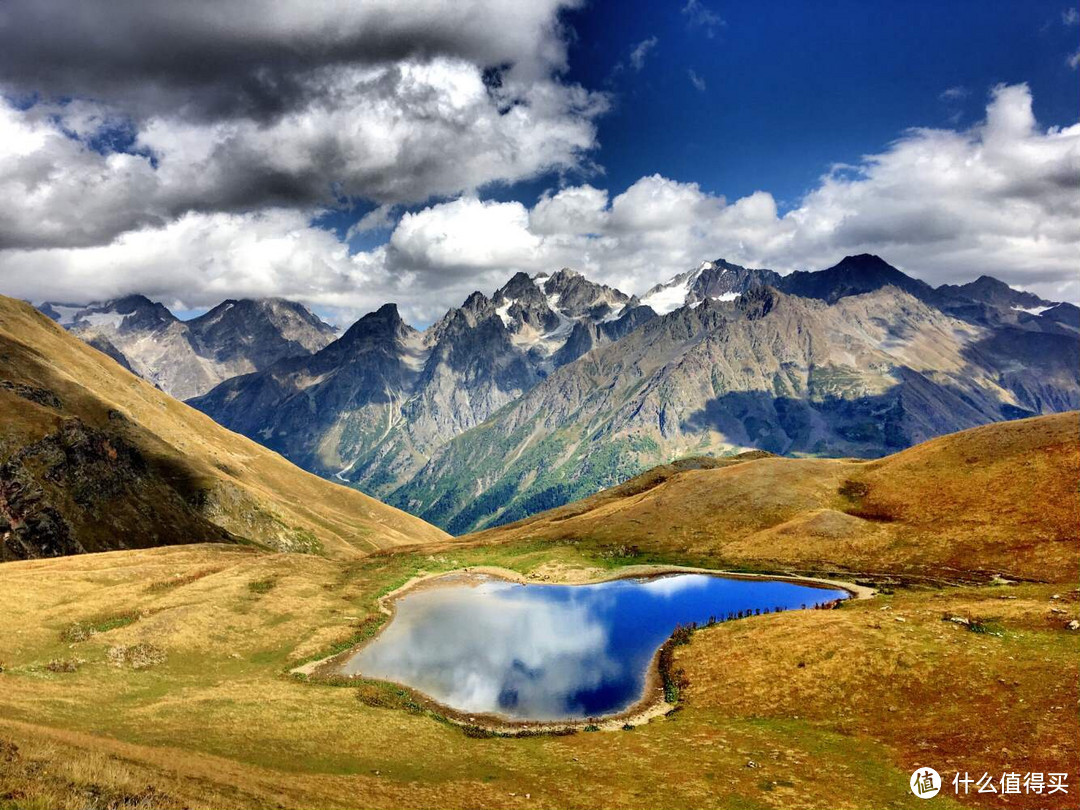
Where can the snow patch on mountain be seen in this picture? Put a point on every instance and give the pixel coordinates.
(66, 313)
(669, 296)
(504, 314)
(109, 318)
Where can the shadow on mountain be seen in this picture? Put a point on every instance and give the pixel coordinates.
(917, 408)
(1041, 369)
(868, 426)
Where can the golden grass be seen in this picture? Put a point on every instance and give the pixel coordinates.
(218, 723)
(253, 492)
(1000, 499)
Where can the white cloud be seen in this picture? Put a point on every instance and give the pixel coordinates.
(1070, 16)
(577, 209)
(389, 134)
(466, 234)
(944, 205)
(699, 15)
(381, 218)
(260, 104)
(640, 51)
(697, 81)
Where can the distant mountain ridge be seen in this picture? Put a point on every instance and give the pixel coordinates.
(871, 373)
(371, 410)
(855, 275)
(188, 358)
(990, 290)
(554, 385)
(719, 280)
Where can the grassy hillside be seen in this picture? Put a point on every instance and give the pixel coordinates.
(94, 458)
(1000, 499)
(157, 678)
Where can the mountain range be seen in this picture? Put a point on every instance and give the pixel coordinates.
(188, 358)
(555, 386)
(371, 407)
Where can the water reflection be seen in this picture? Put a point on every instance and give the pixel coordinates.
(548, 652)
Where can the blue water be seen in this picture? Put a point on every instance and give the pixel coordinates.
(552, 652)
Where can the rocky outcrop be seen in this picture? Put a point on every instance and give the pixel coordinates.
(81, 489)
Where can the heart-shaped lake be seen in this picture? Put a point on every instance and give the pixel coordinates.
(483, 645)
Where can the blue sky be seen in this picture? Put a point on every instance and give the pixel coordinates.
(793, 87)
(349, 155)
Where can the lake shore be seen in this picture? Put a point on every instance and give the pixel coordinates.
(652, 703)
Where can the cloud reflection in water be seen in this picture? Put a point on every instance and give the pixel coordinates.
(546, 652)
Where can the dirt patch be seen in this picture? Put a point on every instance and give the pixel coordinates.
(565, 574)
(136, 656)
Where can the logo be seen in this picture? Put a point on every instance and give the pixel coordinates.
(925, 783)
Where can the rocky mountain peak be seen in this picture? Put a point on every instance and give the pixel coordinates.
(990, 290)
(476, 305)
(188, 358)
(854, 275)
(758, 302)
(522, 291)
(724, 281)
(385, 322)
(719, 280)
(575, 296)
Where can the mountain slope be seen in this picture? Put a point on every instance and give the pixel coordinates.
(998, 499)
(777, 372)
(187, 358)
(93, 458)
(855, 275)
(371, 407)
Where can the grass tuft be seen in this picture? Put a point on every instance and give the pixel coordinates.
(82, 630)
(261, 586)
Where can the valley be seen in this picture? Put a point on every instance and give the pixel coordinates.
(93, 458)
(164, 673)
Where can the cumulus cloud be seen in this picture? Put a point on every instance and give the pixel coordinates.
(466, 234)
(391, 134)
(945, 205)
(251, 57)
(133, 113)
(696, 80)
(942, 204)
